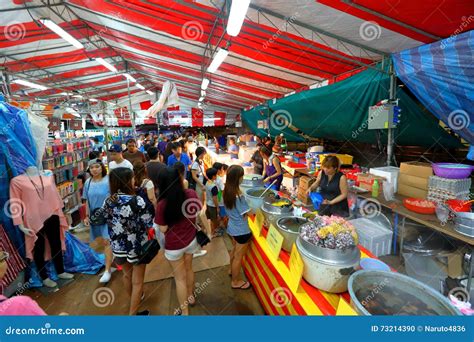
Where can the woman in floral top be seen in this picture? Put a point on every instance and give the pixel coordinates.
(128, 221)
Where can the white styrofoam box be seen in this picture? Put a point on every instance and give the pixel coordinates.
(389, 172)
(425, 269)
(246, 152)
(375, 237)
(317, 148)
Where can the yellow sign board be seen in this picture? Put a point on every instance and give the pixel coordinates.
(344, 309)
(275, 241)
(296, 268)
(259, 218)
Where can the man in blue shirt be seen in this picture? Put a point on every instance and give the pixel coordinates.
(178, 156)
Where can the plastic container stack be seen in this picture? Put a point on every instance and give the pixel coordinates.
(443, 189)
(372, 236)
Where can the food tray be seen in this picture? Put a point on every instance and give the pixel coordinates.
(419, 209)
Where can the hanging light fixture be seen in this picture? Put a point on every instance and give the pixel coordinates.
(218, 59)
(139, 86)
(130, 78)
(238, 10)
(106, 64)
(60, 32)
(205, 83)
(29, 84)
(149, 92)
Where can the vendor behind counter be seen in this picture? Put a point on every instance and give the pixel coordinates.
(333, 188)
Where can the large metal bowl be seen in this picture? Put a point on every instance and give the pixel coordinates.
(251, 181)
(390, 293)
(466, 219)
(289, 227)
(327, 269)
(271, 212)
(253, 198)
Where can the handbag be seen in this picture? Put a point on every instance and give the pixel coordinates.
(202, 238)
(148, 252)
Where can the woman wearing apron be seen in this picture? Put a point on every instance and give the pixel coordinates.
(272, 171)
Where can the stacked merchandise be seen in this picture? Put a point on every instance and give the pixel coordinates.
(414, 178)
(67, 160)
(443, 189)
(304, 184)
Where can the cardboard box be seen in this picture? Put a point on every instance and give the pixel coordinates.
(304, 198)
(413, 181)
(409, 191)
(423, 170)
(305, 182)
(367, 180)
(453, 261)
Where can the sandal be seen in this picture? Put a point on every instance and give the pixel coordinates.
(245, 286)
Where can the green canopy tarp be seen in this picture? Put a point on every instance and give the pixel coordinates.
(339, 111)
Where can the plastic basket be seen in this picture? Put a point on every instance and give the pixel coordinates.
(372, 236)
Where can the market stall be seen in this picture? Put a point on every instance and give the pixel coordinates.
(273, 280)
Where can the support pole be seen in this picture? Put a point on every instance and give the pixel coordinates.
(130, 111)
(106, 135)
(392, 97)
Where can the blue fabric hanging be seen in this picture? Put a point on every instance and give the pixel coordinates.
(441, 76)
(80, 258)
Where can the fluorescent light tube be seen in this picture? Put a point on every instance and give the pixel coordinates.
(29, 84)
(60, 32)
(218, 59)
(204, 84)
(130, 77)
(201, 99)
(77, 96)
(106, 64)
(238, 10)
(149, 92)
(203, 93)
(93, 100)
(139, 86)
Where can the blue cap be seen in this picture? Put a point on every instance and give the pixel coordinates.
(115, 148)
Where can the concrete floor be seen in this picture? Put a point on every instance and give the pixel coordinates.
(85, 296)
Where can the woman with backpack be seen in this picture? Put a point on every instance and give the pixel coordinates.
(144, 185)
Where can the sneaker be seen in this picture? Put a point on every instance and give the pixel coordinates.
(201, 253)
(105, 277)
(66, 275)
(49, 283)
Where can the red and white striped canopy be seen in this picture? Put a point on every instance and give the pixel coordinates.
(283, 46)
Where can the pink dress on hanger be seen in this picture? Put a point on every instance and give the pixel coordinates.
(31, 204)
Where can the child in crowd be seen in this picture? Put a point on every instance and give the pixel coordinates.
(212, 202)
(238, 227)
(220, 182)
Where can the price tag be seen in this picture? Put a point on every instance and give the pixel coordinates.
(259, 218)
(275, 241)
(296, 268)
(344, 309)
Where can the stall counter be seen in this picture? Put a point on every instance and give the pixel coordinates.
(270, 280)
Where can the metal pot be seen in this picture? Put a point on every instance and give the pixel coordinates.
(466, 219)
(253, 198)
(271, 212)
(325, 268)
(289, 227)
(390, 293)
(251, 181)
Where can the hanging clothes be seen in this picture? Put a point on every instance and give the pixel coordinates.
(15, 263)
(34, 199)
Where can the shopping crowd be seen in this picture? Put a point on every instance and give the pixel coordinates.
(164, 184)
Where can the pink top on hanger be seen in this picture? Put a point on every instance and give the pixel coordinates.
(31, 204)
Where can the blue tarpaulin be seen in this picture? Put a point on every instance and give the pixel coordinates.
(441, 76)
